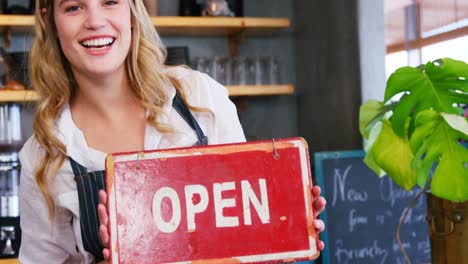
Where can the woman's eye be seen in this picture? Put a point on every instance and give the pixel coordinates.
(111, 2)
(72, 8)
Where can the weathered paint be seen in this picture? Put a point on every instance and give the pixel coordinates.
(217, 261)
(221, 149)
(287, 182)
(113, 238)
(109, 173)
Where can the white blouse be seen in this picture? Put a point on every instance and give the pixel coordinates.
(60, 241)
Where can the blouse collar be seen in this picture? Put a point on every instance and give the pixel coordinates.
(77, 147)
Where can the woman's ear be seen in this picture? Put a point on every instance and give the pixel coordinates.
(44, 14)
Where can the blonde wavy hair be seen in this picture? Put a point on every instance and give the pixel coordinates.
(53, 80)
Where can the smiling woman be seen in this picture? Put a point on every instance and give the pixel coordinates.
(97, 66)
(94, 35)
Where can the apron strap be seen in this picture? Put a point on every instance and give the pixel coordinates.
(77, 168)
(185, 113)
(88, 185)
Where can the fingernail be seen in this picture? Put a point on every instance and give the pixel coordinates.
(318, 225)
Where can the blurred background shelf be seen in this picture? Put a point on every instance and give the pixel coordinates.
(241, 90)
(16, 20)
(259, 90)
(9, 261)
(218, 26)
(173, 25)
(18, 96)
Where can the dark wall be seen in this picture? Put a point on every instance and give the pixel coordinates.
(272, 116)
(328, 73)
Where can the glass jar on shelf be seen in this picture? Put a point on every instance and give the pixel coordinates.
(10, 124)
(9, 184)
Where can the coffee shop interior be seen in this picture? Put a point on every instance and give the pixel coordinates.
(293, 68)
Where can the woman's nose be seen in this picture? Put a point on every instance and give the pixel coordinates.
(95, 19)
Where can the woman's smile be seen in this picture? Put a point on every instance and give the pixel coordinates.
(98, 45)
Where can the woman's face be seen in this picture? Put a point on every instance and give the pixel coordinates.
(94, 35)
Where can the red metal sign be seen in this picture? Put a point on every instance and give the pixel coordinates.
(236, 203)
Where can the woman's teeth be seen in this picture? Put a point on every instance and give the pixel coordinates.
(97, 43)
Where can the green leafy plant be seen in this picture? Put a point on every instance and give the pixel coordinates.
(423, 131)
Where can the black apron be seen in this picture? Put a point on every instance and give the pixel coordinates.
(89, 183)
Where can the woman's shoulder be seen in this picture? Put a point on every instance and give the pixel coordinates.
(199, 87)
(180, 73)
(30, 154)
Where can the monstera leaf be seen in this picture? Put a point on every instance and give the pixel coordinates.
(393, 155)
(422, 131)
(435, 139)
(370, 125)
(437, 85)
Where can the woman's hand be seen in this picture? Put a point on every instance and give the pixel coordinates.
(319, 205)
(103, 220)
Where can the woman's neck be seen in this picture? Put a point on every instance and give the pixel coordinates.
(106, 111)
(103, 95)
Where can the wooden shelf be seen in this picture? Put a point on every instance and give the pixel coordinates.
(9, 261)
(200, 26)
(18, 96)
(261, 90)
(218, 26)
(16, 20)
(244, 90)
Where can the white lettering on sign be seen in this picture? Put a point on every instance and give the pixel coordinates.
(341, 192)
(355, 255)
(354, 220)
(197, 201)
(173, 223)
(390, 194)
(396, 247)
(262, 209)
(220, 203)
(192, 208)
(380, 218)
(425, 246)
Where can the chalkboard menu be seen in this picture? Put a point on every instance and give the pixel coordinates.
(363, 212)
